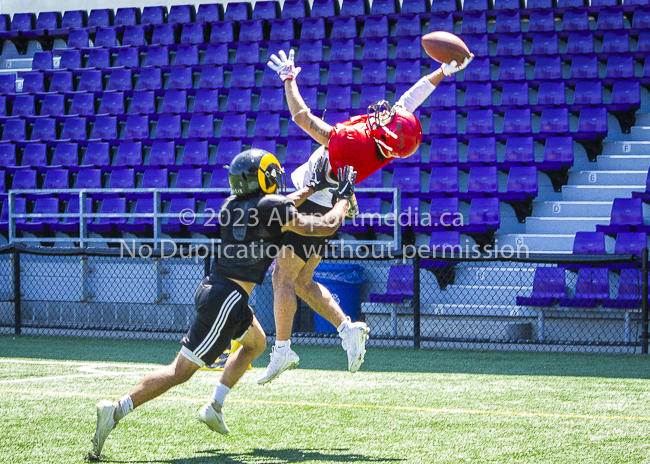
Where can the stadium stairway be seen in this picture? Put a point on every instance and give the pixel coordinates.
(586, 201)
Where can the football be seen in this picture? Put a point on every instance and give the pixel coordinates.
(445, 47)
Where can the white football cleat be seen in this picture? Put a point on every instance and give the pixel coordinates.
(280, 362)
(105, 423)
(354, 342)
(213, 419)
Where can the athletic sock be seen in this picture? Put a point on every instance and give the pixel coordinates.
(220, 393)
(281, 345)
(343, 326)
(124, 406)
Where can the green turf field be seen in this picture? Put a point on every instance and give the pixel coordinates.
(405, 406)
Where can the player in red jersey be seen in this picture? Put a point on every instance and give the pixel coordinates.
(367, 143)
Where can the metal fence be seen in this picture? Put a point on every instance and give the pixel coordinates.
(593, 303)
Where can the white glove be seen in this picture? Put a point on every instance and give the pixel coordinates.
(284, 66)
(450, 68)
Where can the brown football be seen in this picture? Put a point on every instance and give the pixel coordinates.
(445, 47)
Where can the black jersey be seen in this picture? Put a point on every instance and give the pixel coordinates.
(251, 235)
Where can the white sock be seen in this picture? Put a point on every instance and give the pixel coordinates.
(220, 393)
(343, 326)
(281, 345)
(124, 406)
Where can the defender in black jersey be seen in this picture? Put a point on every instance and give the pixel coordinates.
(254, 221)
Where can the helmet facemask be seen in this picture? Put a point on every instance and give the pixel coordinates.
(380, 116)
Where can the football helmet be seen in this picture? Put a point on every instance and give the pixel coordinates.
(397, 131)
(255, 171)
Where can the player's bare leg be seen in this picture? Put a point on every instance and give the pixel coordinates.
(252, 345)
(154, 384)
(287, 268)
(319, 298)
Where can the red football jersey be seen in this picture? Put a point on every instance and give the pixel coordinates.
(351, 144)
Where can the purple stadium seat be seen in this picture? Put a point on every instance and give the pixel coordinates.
(482, 180)
(121, 179)
(91, 81)
(227, 150)
(8, 83)
(443, 123)
(627, 216)
(155, 178)
(22, 22)
(580, 42)
(513, 94)
(24, 106)
(195, 153)
(610, 18)
(202, 126)
(575, 20)
(134, 36)
(271, 99)
(589, 242)
(169, 127)
(207, 101)
(407, 72)
(47, 21)
(56, 179)
(512, 69)
(129, 154)
(570, 3)
(588, 93)
(339, 98)
(70, 59)
(295, 9)
(593, 120)
(559, 149)
(126, 16)
(408, 26)
(266, 145)
(313, 28)
(112, 103)
(383, 7)
(445, 22)
(376, 26)
(344, 28)
(374, 72)
(48, 205)
(377, 49)
(616, 42)
(100, 18)
(163, 153)
(399, 286)
(625, 91)
(7, 155)
(508, 21)
(545, 44)
(176, 206)
(42, 61)
(251, 31)
(239, 100)
(620, 66)
(110, 205)
(150, 79)
(443, 208)
(266, 10)
(78, 38)
(237, 11)
(478, 44)
(136, 127)
(484, 214)
(33, 83)
(482, 150)
(44, 129)
(121, 80)
(72, 223)
(14, 130)
(646, 68)
(181, 14)
(222, 32)
(548, 67)
(187, 55)
(324, 9)
(298, 151)
(478, 71)
(517, 121)
(522, 183)
(163, 34)
(510, 45)
(211, 78)
(342, 50)
(444, 151)
(630, 243)
(591, 288)
(444, 96)
(554, 120)
(310, 51)
(234, 126)
(643, 44)
(340, 74)
(641, 18)
(334, 117)
(174, 101)
(267, 125)
(74, 19)
(354, 7)
(282, 29)
(629, 290)
(189, 178)
(66, 155)
(244, 76)
(35, 155)
(105, 128)
(477, 94)
(475, 5)
(549, 285)
(157, 56)
(407, 179)
(443, 182)
(89, 179)
(407, 48)
(219, 179)
(83, 104)
(480, 122)
(143, 103)
(519, 150)
(97, 155)
(140, 224)
(441, 5)
(24, 179)
(106, 37)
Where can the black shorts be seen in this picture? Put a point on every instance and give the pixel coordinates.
(222, 314)
(302, 245)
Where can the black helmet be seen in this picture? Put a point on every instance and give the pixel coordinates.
(255, 171)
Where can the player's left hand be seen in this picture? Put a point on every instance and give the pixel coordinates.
(347, 176)
(283, 65)
(320, 179)
(450, 68)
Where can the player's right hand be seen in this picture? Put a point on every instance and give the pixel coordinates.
(283, 65)
(320, 179)
(347, 176)
(450, 68)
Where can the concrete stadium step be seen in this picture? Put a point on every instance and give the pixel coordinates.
(626, 148)
(599, 192)
(570, 225)
(572, 208)
(636, 177)
(640, 133)
(643, 119)
(514, 274)
(537, 243)
(480, 294)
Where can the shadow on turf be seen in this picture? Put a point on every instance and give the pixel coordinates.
(260, 456)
